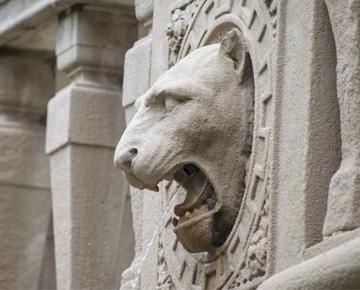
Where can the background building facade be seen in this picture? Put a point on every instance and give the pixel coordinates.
(70, 73)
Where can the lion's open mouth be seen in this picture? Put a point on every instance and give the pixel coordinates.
(199, 207)
(202, 221)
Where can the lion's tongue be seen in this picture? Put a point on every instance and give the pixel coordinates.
(195, 186)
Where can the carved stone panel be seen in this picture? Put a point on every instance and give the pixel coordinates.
(241, 263)
(240, 258)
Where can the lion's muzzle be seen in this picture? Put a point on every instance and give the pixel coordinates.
(124, 158)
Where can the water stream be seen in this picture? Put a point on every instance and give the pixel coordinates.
(135, 282)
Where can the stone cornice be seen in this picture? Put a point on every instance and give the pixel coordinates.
(18, 16)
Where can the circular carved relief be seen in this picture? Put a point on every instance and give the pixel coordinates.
(241, 262)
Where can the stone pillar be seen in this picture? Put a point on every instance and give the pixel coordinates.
(136, 81)
(343, 212)
(84, 122)
(26, 84)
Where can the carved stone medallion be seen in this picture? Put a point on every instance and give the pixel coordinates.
(241, 262)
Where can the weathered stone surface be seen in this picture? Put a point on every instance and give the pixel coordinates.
(303, 58)
(186, 262)
(83, 116)
(17, 67)
(159, 48)
(18, 18)
(343, 213)
(136, 82)
(126, 249)
(24, 218)
(308, 115)
(88, 208)
(95, 35)
(24, 169)
(178, 98)
(84, 120)
(338, 268)
(287, 204)
(144, 9)
(48, 272)
(137, 71)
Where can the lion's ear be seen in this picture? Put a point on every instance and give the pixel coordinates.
(233, 47)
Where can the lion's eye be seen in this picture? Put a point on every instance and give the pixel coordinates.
(171, 103)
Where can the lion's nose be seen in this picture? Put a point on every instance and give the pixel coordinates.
(124, 159)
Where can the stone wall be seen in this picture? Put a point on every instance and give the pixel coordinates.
(238, 124)
(297, 225)
(65, 214)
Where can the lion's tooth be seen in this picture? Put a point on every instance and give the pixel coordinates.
(211, 203)
(187, 215)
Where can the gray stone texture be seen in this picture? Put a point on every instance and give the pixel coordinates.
(24, 174)
(144, 9)
(343, 206)
(261, 132)
(84, 120)
(305, 64)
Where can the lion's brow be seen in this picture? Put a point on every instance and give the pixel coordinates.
(170, 91)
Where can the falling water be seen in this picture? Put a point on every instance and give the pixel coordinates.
(135, 282)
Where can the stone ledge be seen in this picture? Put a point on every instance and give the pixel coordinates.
(338, 268)
(34, 13)
(331, 242)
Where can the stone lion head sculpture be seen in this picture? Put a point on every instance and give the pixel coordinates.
(194, 126)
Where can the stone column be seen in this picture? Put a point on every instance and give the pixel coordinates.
(343, 212)
(26, 84)
(84, 122)
(137, 70)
